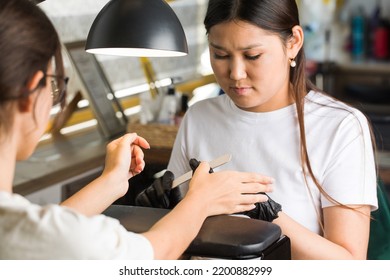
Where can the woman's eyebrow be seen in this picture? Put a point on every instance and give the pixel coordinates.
(253, 46)
(216, 46)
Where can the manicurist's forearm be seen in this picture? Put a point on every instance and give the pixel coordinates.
(94, 198)
(174, 232)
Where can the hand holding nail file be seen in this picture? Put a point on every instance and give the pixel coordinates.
(163, 192)
(213, 164)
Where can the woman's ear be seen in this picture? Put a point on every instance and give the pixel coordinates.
(27, 104)
(295, 43)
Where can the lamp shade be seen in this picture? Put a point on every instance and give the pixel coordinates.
(148, 28)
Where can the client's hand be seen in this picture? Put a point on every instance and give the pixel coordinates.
(157, 194)
(194, 163)
(160, 194)
(266, 211)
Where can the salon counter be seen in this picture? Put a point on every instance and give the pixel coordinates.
(66, 157)
(59, 160)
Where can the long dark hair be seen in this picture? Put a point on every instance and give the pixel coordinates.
(28, 41)
(278, 17)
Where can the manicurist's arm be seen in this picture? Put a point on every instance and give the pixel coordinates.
(124, 159)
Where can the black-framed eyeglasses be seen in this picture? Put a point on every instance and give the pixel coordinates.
(58, 88)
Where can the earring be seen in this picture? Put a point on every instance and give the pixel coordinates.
(293, 63)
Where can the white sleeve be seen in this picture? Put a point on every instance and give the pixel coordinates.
(74, 236)
(112, 241)
(350, 178)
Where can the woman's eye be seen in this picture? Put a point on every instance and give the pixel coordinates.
(225, 56)
(252, 57)
(218, 56)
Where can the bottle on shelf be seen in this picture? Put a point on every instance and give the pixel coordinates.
(168, 107)
(373, 26)
(381, 41)
(358, 32)
(183, 108)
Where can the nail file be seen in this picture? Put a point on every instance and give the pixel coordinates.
(213, 164)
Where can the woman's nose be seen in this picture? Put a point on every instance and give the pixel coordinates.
(237, 70)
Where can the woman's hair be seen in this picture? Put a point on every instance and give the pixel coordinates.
(277, 17)
(28, 42)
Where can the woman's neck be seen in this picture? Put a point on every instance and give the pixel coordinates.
(7, 165)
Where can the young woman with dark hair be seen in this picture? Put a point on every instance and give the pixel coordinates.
(274, 121)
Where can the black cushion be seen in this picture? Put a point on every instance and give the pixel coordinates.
(224, 236)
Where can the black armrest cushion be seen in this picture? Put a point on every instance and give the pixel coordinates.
(224, 236)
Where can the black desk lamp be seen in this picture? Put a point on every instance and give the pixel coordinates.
(142, 28)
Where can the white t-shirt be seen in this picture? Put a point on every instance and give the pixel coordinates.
(29, 231)
(338, 142)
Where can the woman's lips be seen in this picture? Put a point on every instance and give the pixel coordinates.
(241, 90)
